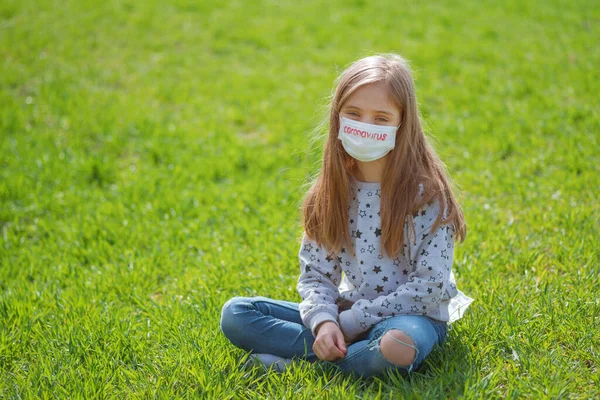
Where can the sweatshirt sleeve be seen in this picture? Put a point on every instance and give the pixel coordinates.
(430, 259)
(318, 283)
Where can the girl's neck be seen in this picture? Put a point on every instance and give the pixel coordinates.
(371, 171)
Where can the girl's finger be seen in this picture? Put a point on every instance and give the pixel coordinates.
(327, 350)
(340, 342)
(323, 352)
(335, 351)
(317, 350)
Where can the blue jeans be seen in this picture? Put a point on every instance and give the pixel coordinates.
(263, 325)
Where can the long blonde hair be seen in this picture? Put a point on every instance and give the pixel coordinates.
(412, 162)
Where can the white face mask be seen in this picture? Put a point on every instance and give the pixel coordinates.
(366, 142)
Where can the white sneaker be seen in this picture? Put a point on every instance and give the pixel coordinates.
(269, 361)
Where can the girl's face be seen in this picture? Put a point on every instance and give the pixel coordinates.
(372, 104)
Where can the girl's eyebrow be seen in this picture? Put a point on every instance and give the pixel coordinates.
(377, 111)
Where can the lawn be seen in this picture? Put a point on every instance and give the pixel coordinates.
(154, 156)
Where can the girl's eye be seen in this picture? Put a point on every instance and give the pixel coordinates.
(353, 113)
(381, 119)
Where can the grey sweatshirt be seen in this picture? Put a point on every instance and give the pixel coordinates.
(419, 281)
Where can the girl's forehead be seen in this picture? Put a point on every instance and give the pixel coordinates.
(376, 96)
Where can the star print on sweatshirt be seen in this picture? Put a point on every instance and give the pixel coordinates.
(419, 281)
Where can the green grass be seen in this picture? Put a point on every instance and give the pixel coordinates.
(154, 155)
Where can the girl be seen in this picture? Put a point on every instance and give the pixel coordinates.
(380, 222)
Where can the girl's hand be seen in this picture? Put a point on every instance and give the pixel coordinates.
(329, 344)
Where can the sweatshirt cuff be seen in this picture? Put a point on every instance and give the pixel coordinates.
(349, 324)
(315, 320)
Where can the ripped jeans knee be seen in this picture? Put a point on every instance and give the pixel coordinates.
(399, 349)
